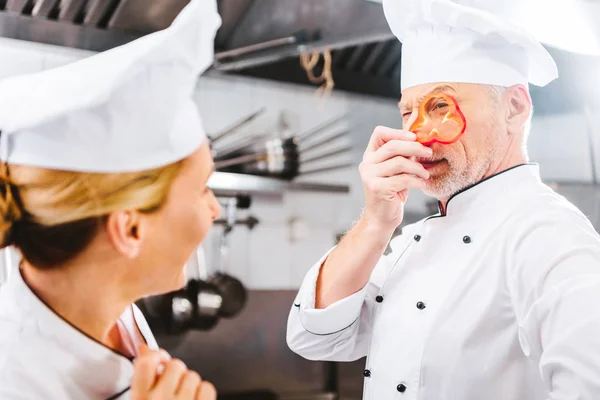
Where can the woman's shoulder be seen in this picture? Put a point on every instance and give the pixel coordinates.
(24, 356)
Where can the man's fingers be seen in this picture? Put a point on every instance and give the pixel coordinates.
(188, 387)
(399, 183)
(144, 375)
(170, 379)
(388, 188)
(400, 165)
(382, 135)
(395, 148)
(206, 391)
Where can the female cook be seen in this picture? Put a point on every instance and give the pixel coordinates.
(103, 195)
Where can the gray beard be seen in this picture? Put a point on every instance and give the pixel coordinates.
(457, 180)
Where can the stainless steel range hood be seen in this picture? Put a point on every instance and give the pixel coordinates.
(342, 26)
(94, 25)
(99, 25)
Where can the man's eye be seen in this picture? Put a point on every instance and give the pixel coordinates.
(406, 114)
(441, 105)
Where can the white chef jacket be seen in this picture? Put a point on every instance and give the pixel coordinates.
(497, 299)
(42, 356)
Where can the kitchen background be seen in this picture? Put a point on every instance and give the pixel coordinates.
(295, 224)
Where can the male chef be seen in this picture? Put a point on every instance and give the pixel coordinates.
(497, 296)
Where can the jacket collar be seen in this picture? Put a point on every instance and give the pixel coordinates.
(95, 366)
(491, 193)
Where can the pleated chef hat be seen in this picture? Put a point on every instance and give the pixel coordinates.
(466, 41)
(123, 110)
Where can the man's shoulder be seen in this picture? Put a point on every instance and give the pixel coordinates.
(544, 208)
(548, 226)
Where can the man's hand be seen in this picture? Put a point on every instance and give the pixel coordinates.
(159, 377)
(387, 172)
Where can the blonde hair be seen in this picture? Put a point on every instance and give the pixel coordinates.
(51, 215)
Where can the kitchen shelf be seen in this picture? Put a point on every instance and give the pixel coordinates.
(232, 184)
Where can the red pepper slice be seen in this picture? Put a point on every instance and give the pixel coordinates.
(439, 120)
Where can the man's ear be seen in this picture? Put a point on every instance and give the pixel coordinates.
(123, 229)
(518, 103)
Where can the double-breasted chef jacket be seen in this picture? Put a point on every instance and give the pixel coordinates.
(498, 298)
(44, 357)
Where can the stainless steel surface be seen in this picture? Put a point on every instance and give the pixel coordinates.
(375, 54)
(146, 16)
(232, 13)
(182, 309)
(335, 152)
(61, 34)
(229, 184)
(70, 9)
(224, 246)
(392, 58)
(16, 6)
(42, 8)
(335, 19)
(254, 32)
(98, 10)
(230, 212)
(209, 304)
(292, 51)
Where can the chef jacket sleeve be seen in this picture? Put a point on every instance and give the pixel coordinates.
(342, 331)
(556, 295)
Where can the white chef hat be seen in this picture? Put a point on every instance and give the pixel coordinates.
(457, 41)
(123, 110)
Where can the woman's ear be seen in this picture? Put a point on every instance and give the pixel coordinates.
(518, 108)
(123, 229)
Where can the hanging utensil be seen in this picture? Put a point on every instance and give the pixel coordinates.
(238, 147)
(240, 160)
(216, 137)
(282, 160)
(319, 128)
(323, 141)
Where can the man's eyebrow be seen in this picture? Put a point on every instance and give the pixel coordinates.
(437, 89)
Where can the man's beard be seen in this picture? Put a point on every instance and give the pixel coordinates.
(460, 174)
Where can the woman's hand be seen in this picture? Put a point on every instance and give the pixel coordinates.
(159, 377)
